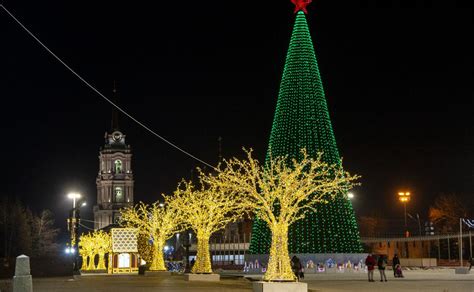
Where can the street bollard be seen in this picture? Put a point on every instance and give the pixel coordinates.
(22, 281)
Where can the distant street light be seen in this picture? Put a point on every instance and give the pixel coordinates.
(73, 225)
(350, 195)
(74, 197)
(404, 197)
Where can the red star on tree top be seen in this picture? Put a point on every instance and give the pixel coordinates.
(301, 5)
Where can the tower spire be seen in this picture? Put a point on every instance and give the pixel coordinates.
(115, 122)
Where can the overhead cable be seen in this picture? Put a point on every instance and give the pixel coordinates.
(102, 95)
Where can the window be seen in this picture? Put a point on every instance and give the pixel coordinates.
(116, 218)
(118, 166)
(119, 195)
(124, 260)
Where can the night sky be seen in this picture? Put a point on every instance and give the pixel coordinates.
(397, 76)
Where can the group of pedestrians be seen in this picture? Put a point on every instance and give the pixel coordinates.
(381, 263)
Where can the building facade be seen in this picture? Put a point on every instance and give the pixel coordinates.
(114, 180)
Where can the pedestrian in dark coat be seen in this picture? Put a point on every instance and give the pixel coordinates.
(370, 263)
(395, 262)
(382, 263)
(296, 266)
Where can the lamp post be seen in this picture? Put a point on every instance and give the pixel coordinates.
(187, 244)
(404, 197)
(419, 224)
(73, 225)
(417, 220)
(460, 241)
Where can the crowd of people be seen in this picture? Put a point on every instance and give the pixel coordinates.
(381, 263)
(371, 262)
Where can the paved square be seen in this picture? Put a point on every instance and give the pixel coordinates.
(439, 280)
(420, 281)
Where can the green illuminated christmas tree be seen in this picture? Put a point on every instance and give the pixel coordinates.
(302, 121)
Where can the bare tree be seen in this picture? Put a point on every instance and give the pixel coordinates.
(18, 229)
(44, 234)
(23, 232)
(373, 226)
(446, 211)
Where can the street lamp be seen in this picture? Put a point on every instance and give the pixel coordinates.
(350, 195)
(74, 197)
(187, 245)
(404, 197)
(73, 226)
(418, 220)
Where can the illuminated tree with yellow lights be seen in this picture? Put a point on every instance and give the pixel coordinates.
(207, 208)
(87, 251)
(280, 193)
(145, 249)
(160, 221)
(102, 245)
(91, 244)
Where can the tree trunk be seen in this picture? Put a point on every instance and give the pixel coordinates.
(91, 265)
(84, 262)
(158, 262)
(203, 256)
(279, 264)
(101, 264)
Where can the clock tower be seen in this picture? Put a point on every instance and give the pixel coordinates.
(115, 178)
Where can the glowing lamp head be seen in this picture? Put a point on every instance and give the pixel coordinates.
(403, 197)
(74, 196)
(350, 195)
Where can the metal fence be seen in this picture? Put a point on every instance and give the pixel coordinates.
(231, 250)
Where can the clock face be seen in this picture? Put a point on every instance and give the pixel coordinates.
(117, 136)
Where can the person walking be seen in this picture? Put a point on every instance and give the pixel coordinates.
(395, 262)
(296, 266)
(471, 262)
(382, 263)
(370, 263)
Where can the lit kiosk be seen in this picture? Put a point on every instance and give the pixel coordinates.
(124, 256)
(115, 178)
